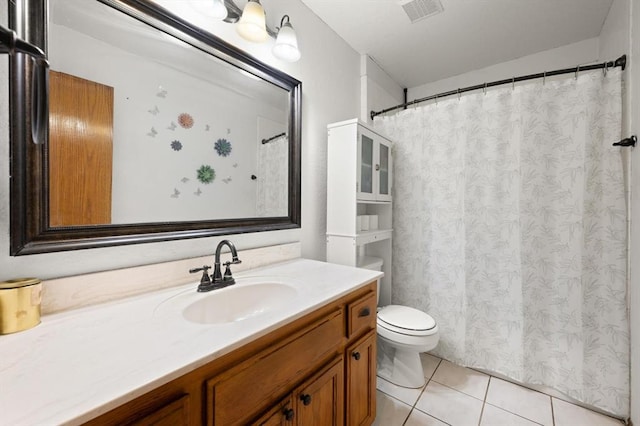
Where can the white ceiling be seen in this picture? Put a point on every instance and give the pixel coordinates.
(468, 35)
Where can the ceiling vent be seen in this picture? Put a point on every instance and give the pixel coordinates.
(417, 10)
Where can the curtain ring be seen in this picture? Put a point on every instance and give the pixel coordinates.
(513, 83)
(605, 69)
(485, 88)
(436, 100)
(544, 78)
(577, 71)
(458, 93)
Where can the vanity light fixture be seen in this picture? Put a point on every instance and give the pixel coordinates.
(219, 10)
(251, 25)
(286, 47)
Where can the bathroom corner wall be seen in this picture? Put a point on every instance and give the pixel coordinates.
(633, 91)
(621, 35)
(582, 52)
(378, 89)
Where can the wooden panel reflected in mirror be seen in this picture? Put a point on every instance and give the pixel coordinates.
(80, 151)
(52, 210)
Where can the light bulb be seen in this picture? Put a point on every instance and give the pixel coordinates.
(251, 25)
(286, 46)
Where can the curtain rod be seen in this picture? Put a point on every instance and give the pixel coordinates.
(273, 138)
(620, 62)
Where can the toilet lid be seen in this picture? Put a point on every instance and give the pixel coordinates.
(405, 319)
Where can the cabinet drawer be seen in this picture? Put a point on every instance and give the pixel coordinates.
(251, 387)
(362, 314)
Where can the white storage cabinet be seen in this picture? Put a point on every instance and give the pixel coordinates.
(359, 182)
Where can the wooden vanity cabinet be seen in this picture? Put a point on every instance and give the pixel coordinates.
(316, 370)
(319, 401)
(235, 396)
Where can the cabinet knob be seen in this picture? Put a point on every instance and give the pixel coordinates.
(288, 414)
(305, 398)
(377, 167)
(364, 312)
(356, 356)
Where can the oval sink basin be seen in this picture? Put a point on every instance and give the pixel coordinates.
(237, 303)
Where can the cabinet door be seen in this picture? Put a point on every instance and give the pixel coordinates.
(282, 414)
(383, 167)
(320, 400)
(374, 166)
(361, 381)
(367, 176)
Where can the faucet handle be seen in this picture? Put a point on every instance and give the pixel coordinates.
(227, 273)
(205, 274)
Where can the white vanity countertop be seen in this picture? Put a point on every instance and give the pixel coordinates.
(79, 364)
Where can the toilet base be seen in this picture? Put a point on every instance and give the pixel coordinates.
(400, 366)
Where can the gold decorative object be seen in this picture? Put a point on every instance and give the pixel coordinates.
(19, 304)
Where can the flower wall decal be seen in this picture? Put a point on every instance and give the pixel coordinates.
(185, 120)
(206, 174)
(176, 145)
(223, 147)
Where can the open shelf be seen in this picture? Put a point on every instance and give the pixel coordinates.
(366, 237)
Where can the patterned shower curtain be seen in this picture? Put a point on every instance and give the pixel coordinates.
(273, 181)
(510, 230)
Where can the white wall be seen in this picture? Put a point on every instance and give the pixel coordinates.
(633, 92)
(620, 35)
(580, 53)
(329, 70)
(379, 91)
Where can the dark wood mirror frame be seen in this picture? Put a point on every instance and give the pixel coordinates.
(30, 230)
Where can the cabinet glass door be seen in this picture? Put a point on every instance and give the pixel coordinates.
(384, 170)
(366, 165)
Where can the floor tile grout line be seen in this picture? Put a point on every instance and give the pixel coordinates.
(393, 397)
(424, 388)
(413, 408)
(457, 390)
(486, 391)
(433, 373)
(481, 414)
(515, 414)
(398, 399)
(484, 401)
(529, 389)
(430, 415)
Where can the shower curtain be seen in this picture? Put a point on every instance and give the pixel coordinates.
(510, 230)
(272, 187)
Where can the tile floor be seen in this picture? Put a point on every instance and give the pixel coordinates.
(459, 396)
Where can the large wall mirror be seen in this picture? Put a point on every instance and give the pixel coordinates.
(157, 130)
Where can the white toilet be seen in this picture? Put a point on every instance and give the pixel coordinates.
(403, 333)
